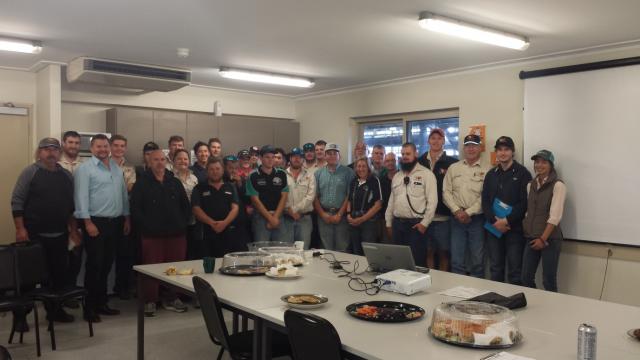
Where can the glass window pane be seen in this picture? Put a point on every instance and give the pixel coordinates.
(387, 134)
(418, 132)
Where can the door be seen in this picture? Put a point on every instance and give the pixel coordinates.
(14, 144)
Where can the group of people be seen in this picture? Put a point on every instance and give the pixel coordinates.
(171, 208)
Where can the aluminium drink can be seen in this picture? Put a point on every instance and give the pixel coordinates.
(587, 335)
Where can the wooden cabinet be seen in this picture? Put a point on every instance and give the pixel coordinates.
(200, 127)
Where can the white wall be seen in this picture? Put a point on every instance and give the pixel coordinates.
(18, 87)
(494, 97)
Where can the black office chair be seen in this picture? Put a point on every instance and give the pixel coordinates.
(4, 353)
(239, 345)
(16, 302)
(312, 337)
(30, 260)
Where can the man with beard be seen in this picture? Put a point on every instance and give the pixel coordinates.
(309, 151)
(359, 152)
(302, 192)
(412, 204)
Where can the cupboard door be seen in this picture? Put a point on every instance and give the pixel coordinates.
(286, 134)
(232, 133)
(200, 127)
(166, 124)
(134, 124)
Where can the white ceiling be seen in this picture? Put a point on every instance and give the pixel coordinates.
(340, 43)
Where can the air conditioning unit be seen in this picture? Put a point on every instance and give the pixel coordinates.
(127, 75)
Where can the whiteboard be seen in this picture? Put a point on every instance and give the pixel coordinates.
(591, 122)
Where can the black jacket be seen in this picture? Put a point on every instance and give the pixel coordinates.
(440, 170)
(510, 187)
(160, 208)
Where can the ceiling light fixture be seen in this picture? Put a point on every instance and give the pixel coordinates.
(469, 31)
(20, 45)
(267, 78)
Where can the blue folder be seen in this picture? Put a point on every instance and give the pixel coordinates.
(501, 210)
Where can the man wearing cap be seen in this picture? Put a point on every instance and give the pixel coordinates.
(199, 168)
(147, 148)
(439, 233)
(42, 208)
(102, 206)
(175, 142)
(302, 192)
(254, 159)
(244, 164)
(545, 205)
(241, 222)
(309, 163)
(412, 204)
(462, 193)
(332, 188)
(267, 187)
(506, 183)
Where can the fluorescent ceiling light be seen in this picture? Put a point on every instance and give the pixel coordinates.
(465, 30)
(19, 45)
(266, 78)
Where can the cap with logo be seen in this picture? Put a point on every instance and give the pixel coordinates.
(150, 146)
(332, 147)
(506, 142)
(436, 131)
(544, 155)
(267, 149)
(308, 147)
(296, 151)
(230, 158)
(472, 139)
(254, 150)
(49, 142)
(244, 154)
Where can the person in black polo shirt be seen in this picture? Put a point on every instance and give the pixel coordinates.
(215, 206)
(199, 168)
(267, 187)
(365, 201)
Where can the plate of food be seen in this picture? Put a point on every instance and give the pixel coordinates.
(244, 270)
(634, 333)
(385, 311)
(304, 301)
(172, 271)
(282, 272)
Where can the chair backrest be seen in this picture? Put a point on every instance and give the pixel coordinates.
(211, 312)
(7, 269)
(30, 263)
(312, 337)
(4, 353)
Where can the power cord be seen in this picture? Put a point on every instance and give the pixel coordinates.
(355, 283)
(606, 267)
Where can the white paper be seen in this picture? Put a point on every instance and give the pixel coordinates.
(463, 292)
(506, 356)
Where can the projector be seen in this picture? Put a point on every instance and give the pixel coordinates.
(404, 281)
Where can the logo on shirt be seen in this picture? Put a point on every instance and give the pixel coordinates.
(277, 181)
(206, 193)
(262, 182)
(228, 192)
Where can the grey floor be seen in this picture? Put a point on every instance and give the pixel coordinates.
(167, 336)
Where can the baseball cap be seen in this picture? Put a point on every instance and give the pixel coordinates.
(49, 142)
(267, 149)
(505, 141)
(308, 147)
(244, 154)
(150, 146)
(254, 150)
(472, 139)
(544, 155)
(436, 131)
(332, 147)
(296, 151)
(230, 158)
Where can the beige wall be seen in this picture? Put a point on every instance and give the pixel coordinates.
(493, 96)
(18, 87)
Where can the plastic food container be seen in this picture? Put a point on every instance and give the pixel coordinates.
(255, 246)
(475, 324)
(246, 263)
(285, 255)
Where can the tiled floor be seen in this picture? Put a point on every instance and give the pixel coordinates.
(167, 336)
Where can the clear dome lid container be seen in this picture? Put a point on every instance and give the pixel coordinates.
(475, 324)
(285, 255)
(255, 246)
(247, 263)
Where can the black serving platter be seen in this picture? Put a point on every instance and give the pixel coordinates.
(244, 270)
(386, 311)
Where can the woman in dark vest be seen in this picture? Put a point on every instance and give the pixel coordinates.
(545, 205)
(365, 201)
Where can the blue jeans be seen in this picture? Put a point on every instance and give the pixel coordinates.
(404, 234)
(261, 233)
(299, 230)
(506, 250)
(334, 236)
(439, 235)
(365, 232)
(550, 257)
(468, 237)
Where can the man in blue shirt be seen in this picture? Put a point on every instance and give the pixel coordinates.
(102, 206)
(332, 187)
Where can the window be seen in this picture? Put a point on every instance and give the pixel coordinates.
(418, 133)
(388, 134)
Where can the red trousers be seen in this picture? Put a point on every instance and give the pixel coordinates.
(160, 250)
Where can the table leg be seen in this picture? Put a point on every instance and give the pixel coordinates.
(257, 338)
(265, 348)
(235, 322)
(140, 317)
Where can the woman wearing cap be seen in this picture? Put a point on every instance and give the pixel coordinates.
(541, 224)
(365, 201)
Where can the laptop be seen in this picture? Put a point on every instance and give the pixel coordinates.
(386, 257)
